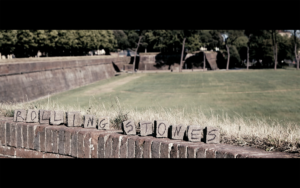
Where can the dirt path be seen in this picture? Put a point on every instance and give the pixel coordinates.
(110, 86)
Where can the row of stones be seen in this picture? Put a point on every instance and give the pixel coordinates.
(160, 128)
(87, 143)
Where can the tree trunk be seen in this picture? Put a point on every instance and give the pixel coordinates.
(228, 56)
(247, 57)
(274, 50)
(296, 56)
(203, 61)
(136, 53)
(180, 67)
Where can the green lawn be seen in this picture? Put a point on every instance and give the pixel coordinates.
(254, 93)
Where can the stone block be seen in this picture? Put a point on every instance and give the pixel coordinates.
(155, 149)
(116, 142)
(161, 129)
(56, 117)
(32, 116)
(89, 121)
(94, 143)
(74, 119)
(7, 130)
(45, 116)
(13, 135)
(124, 147)
(24, 135)
(147, 147)
(129, 127)
(194, 133)
(131, 146)
(139, 147)
(48, 141)
(102, 139)
(103, 123)
(19, 135)
(165, 149)
(212, 135)
(146, 127)
(2, 132)
(178, 131)
(108, 147)
(20, 115)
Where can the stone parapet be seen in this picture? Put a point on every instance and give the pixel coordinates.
(35, 140)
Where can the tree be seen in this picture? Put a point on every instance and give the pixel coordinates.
(296, 46)
(249, 34)
(275, 49)
(25, 45)
(230, 36)
(8, 39)
(122, 39)
(185, 34)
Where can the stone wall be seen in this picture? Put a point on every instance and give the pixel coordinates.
(23, 80)
(172, 61)
(36, 140)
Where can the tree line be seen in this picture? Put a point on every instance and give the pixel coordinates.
(236, 45)
(26, 43)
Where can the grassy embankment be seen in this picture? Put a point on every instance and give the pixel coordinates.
(259, 108)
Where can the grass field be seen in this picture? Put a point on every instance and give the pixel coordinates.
(264, 94)
(258, 108)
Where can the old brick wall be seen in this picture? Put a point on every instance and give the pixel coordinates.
(34, 140)
(29, 80)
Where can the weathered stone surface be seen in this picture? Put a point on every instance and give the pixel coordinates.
(90, 121)
(108, 147)
(4, 150)
(131, 146)
(7, 134)
(139, 147)
(194, 133)
(102, 139)
(13, 135)
(155, 149)
(161, 129)
(124, 147)
(192, 150)
(94, 143)
(103, 123)
(116, 142)
(61, 141)
(25, 135)
(178, 131)
(165, 149)
(48, 140)
(212, 135)
(32, 116)
(146, 128)
(74, 119)
(147, 147)
(2, 132)
(19, 135)
(45, 116)
(56, 117)
(20, 115)
(74, 140)
(31, 135)
(129, 127)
